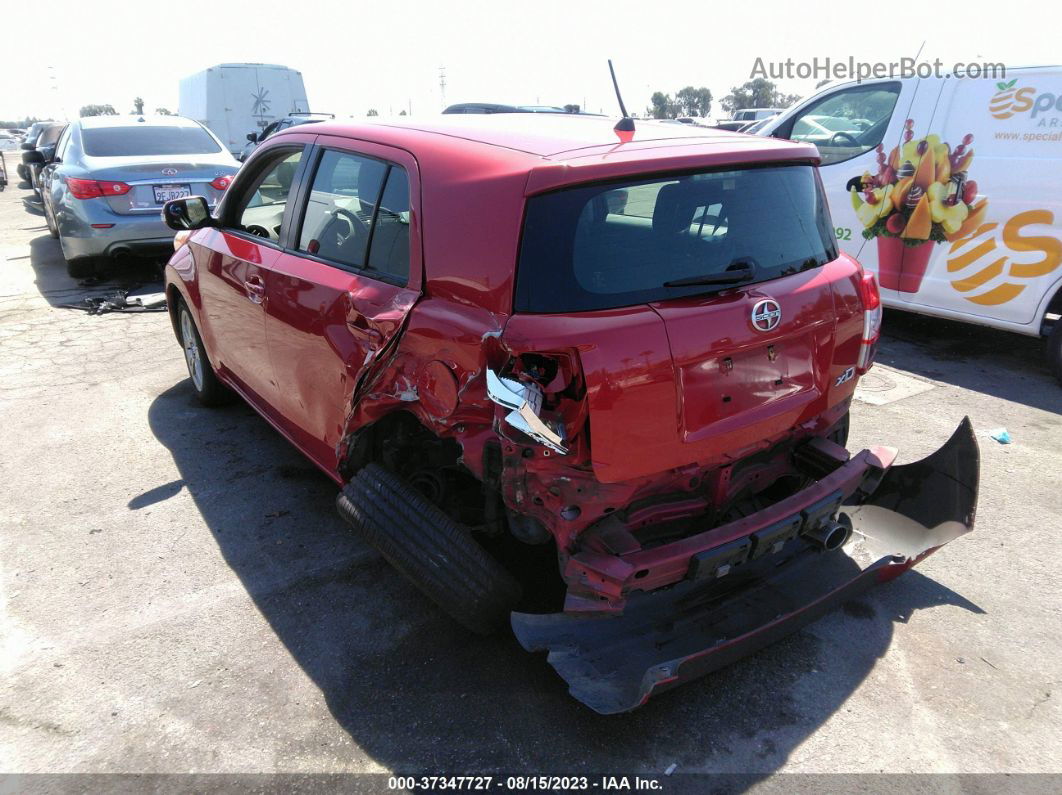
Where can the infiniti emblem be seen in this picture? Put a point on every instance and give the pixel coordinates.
(766, 315)
(169, 172)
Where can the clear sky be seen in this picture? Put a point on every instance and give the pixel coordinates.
(386, 55)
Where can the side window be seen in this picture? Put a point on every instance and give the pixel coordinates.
(60, 148)
(342, 203)
(260, 208)
(389, 251)
(847, 123)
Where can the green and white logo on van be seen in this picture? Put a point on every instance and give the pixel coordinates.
(1010, 101)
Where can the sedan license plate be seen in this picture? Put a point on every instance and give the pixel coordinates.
(164, 193)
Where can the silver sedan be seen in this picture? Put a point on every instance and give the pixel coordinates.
(104, 190)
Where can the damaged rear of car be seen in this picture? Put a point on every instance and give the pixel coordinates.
(609, 406)
(670, 404)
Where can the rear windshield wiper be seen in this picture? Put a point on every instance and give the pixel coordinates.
(738, 272)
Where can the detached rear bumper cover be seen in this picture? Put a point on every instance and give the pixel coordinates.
(615, 663)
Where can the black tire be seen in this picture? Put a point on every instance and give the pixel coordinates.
(81, 268)
(53, 230)
(437, 554)
(208, 387)
(1054, 350)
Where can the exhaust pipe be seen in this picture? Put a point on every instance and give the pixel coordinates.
(831, 534)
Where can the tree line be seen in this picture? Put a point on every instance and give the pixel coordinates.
(697, 102)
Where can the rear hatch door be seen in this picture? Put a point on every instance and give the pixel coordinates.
(680, 373)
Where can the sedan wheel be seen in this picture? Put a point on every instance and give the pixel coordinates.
(208, 388)
(49, 218)
(192, 356)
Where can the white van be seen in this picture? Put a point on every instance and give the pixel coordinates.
(234, 99)
(950, 190)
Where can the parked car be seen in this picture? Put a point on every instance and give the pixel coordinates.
(977, 239)
(754, 127)
(291, 120)
(643, 374)
(741, 118)
(112, 174)
(41, 154)
(30, 142)
(8, 141)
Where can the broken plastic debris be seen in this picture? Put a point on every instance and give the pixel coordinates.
(1001, 435)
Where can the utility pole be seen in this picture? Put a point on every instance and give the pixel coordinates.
(442, 85)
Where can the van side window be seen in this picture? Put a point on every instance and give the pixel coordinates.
(845, 124)
(339, 213)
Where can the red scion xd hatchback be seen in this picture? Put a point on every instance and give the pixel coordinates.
(517, 339)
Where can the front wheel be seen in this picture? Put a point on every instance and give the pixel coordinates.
(438, 555)
(208, 388)
(1054, 350)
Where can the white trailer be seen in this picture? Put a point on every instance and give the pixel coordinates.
(233, 99)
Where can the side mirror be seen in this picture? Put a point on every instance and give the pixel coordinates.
(28, 145)
(33, 157)
(252, 137)
(192, 212)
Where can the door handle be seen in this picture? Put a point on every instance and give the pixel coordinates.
(255, 289)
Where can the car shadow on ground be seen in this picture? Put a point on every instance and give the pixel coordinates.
(60, 289)
(417, 693)
(1005, 365)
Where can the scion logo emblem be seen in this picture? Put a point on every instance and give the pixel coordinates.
(766, 315)
(169, 172)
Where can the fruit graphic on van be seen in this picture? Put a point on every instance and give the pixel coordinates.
(921, 195)
(1010, 100)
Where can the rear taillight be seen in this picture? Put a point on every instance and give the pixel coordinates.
(94, 189)
(871, 298)
(113, 188)
(83, 188)
(221, 183)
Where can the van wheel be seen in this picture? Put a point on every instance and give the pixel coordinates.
(434, 552)
(1054, 350)
(208, 388)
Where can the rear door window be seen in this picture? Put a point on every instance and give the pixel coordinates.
(389, 250)
(357, 215)
(147, 140)
(620, 244)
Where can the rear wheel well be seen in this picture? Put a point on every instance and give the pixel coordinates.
(1054, 306)
(433, 466)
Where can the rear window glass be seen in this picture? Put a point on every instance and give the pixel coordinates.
(137, 141)
(617, 244)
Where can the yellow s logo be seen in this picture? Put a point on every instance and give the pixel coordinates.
(966, 255)
(1009, 100)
